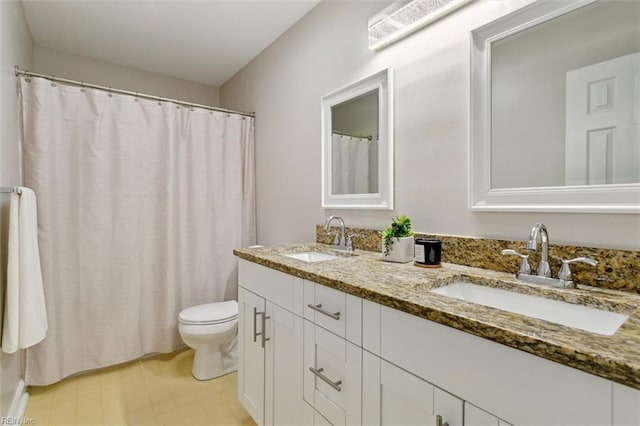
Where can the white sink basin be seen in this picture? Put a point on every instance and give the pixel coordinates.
(569, 314)
(311, 256)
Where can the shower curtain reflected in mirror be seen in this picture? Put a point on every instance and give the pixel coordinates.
(140, 205)
(351, 164)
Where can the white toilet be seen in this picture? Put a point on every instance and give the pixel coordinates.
(211, 331)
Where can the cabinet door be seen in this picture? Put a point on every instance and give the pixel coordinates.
(448, 407)
(251, 354)
(626, 406)
(283, 367)
(473, 416)
(392, 396)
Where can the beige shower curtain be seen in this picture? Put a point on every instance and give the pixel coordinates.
(140, 205)
(350, 156)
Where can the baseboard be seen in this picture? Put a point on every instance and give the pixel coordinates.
(19, 402)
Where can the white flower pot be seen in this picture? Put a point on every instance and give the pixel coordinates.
(401, 251)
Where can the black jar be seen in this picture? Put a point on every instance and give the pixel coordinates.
(428, 252)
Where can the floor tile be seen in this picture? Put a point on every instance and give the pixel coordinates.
(157, 390)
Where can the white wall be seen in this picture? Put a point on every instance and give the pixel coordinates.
(326, 50)
(16, 48)
(81, 68)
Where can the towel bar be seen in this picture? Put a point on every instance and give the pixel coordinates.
(10, 189)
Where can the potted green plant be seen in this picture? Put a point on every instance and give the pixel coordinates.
(397, 240)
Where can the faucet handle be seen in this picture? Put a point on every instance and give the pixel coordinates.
(525, 267)
(565, 271)
(349, 243)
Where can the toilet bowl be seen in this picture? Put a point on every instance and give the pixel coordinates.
(211, 331)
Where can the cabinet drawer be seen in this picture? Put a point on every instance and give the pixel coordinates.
(332, 375)
(334, 310)
(282, 289)
(313, 418)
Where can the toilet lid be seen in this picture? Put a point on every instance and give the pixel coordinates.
(210, 313)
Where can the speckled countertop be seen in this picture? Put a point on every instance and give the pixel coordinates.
(406, 287)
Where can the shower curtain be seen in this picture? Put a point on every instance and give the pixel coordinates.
(140, 204)
(350, 157)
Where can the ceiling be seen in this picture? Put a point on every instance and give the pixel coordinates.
(206, 41)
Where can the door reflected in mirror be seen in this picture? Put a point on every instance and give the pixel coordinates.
(354, 145)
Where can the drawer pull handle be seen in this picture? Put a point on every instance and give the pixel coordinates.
(318, 373)
(264, 329)
(318, 307)
(439, 421)
(255, 326)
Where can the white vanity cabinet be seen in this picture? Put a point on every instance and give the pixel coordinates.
(270, 336)
(313, 355)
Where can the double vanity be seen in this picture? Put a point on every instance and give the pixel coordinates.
(343, 339)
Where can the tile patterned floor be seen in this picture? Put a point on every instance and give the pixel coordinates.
(154, 391)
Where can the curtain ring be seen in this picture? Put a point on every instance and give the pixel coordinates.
(109, 93)
(53, 81)
(136, 97)
(26, 76)
(82, 89)
(159, 101)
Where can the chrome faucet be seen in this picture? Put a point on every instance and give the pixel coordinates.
(539, 232)
(340, 241)
(543, 276)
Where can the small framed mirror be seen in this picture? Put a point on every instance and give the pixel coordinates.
(357, 145)
(555, 109)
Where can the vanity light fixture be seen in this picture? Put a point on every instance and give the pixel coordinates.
(403, 17)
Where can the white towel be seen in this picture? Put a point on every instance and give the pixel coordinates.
(25, 313)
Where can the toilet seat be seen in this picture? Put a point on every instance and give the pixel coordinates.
(210, 313)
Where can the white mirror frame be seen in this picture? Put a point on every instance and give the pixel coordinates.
(619, 198)
(382, 200)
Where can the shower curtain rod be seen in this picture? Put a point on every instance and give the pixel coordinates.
(54, 79)
(337, 132)
(10, 189)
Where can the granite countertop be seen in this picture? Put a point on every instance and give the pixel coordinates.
(405, 287)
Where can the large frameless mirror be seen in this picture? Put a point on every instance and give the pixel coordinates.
(357, 145)
(556, 108)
